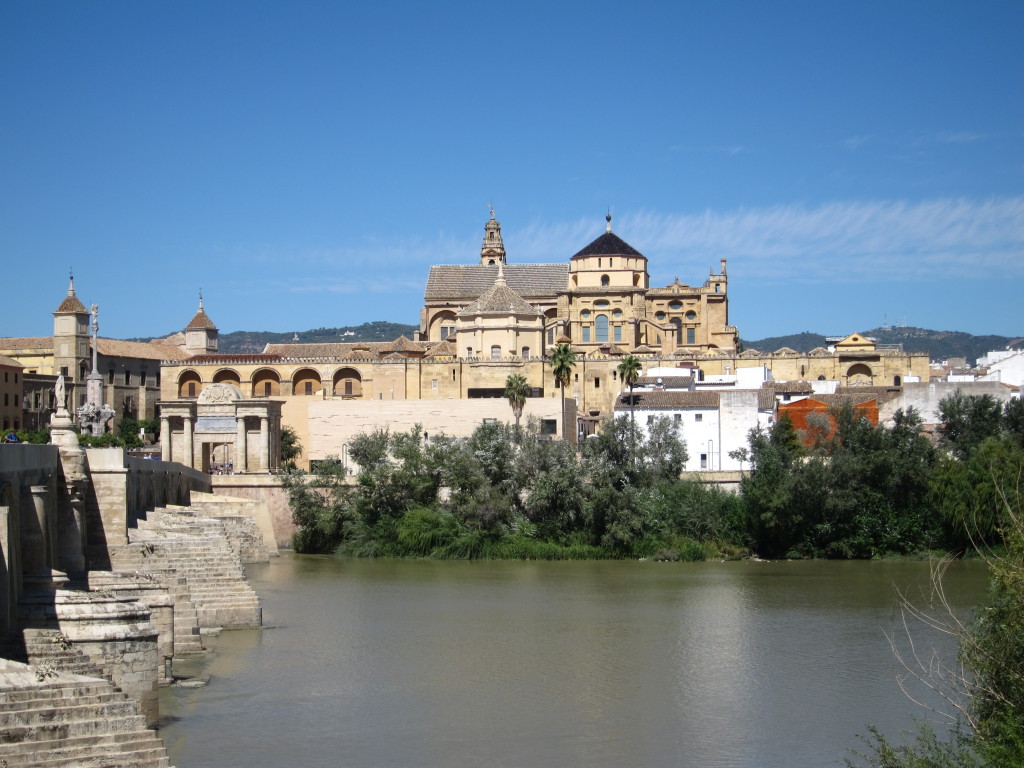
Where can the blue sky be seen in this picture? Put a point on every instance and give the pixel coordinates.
(303, 163)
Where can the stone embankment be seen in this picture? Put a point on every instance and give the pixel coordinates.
(50, 718)
(79, 674)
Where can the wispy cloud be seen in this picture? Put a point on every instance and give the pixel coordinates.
(860, 241)
(838, 242)
(853, 143)
(951, 137)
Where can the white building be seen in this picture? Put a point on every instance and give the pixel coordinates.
(713, 422)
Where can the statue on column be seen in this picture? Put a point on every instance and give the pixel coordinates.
(93, 415)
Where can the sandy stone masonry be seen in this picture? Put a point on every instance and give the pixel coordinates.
(106, 575)
(50, 718)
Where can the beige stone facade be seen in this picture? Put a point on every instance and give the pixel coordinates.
(130, 369)
(482, 322)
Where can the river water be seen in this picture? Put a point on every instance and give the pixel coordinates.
(376, 663)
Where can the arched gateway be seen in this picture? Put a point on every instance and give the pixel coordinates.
(222, 427)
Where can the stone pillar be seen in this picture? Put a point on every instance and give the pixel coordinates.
(38, 545)
(34, 535)
(71, 525)
(241, 449)
(264, 460)
(165, 438)
(190, 453)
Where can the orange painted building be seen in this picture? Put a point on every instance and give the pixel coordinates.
(799, 411)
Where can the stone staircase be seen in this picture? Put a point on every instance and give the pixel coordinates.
(48, 649)
(247, 523)
(58, 719)
(180, 543)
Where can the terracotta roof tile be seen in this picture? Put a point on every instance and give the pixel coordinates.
(140, 349)
(669, 399)
(466, 282)
(27, 342)
(668, 382)
(201, 320)
(10, 362)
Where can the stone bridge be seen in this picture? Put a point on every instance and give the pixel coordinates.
(110, 568)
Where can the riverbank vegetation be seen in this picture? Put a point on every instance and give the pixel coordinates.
(844, 489)
(511, 493)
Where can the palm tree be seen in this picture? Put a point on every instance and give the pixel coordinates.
(517, 389)
(629, 371)
(562, 361)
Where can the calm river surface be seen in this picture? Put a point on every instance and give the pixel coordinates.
(418, 663)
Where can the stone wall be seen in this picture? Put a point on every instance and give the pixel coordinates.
(924, 397)
(268, 490)
(124, 487)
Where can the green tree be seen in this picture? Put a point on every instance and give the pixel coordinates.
(321, 506)
(291, 447)
(967, 420)
(562, 360)
(629, 373)
(517, 389)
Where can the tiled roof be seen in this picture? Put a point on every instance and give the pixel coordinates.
(27, 342)
(403, 344)
(71, 304)
(336, 349)
(608, 244)
(10, 362)
(669, 400)
(882, 393)
(140, 349)
(443, 349)
(469, 281)
(668, 382)
(500, 299)
(765, 400)
(643, 349)
(201, 320)
(788, 387)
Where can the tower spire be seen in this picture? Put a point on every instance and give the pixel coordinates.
(493, 249)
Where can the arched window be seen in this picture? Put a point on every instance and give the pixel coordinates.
(495, 352)
(188, 384)
(526, 353)
(604, 281)
(305, 382)
(678, 325)
(602, 328)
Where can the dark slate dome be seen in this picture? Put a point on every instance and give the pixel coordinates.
(609, 244)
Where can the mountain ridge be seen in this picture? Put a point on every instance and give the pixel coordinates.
(940, 345)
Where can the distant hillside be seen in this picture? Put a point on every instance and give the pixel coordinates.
(241, 342)
(254, 342)
(940, 345)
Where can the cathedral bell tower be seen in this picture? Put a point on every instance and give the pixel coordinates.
(71, 337)
(493, 249)
(201, 334)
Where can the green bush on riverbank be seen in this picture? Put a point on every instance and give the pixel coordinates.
(851, 490)
(504, 493)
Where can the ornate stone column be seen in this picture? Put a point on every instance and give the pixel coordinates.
(241, 449)
(264, 464)
(190, 452)
(165, 438)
